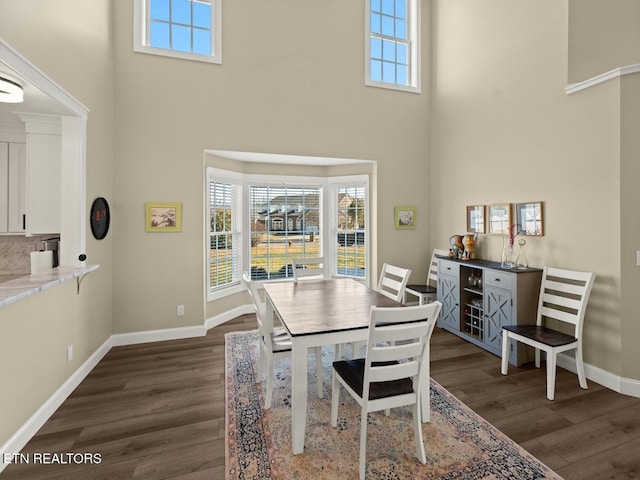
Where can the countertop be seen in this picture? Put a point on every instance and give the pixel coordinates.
(16, 289)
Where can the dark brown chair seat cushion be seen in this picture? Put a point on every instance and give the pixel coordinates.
(541, 334)
(352, 372)
(422, 288)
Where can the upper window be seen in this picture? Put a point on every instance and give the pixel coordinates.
(393, 44)
(188, 29)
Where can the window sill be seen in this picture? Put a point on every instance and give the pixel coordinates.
(23, 287)
(224, 292)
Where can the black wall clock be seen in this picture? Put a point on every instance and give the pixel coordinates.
(100, 217)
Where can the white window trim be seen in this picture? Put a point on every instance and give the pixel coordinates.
(140, 41)
(415, 45)
(328, 223)
(219, 175)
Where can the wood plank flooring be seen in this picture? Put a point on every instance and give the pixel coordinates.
(156, 411)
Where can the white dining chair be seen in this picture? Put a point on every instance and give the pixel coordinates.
(393, 372)
(427, 292)
(275, 343)
(563, 299)
(308, 267)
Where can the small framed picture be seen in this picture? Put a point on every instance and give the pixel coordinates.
(404, 218)
(476, 219)
(529, 218)
(500, 218)
(163, 216)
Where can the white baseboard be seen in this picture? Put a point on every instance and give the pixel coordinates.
(19, 439)
(613, 382)
(17, 442)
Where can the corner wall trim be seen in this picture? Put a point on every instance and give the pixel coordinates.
(603, 77)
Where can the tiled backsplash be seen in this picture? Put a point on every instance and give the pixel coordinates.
(15, 253)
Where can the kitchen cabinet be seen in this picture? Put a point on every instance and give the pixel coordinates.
(479, 297)
(13, 183)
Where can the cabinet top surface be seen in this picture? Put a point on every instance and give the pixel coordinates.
(477, 263)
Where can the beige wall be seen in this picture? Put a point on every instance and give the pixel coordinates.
(504, 131)
(71, 43)
(291, 83)
(603, 35)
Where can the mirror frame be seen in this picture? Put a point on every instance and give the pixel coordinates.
(499, 223)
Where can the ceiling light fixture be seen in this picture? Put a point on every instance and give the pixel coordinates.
(10, 92)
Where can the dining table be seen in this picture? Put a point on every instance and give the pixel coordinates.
(319, 313)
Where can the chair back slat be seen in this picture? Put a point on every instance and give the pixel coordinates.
(393, 281)
(264, 325)
(388, 353)
(398, 332)
(304, 267)
(432, 277)
(388, 373)
(564, 295)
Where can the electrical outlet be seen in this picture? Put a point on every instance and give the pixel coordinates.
(69, 353)
(180, 310)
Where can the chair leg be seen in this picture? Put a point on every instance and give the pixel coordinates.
(537, 358)
(363, 443)
(267, 400)
(417, 433)
(260, 363)
(582, 378)
(335, 400)
(319, 382)
(505, 353)
(551, 374)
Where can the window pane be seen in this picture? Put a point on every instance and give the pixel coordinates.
(389, 51)
(401, 29)
(388, 7)
(376, 48)
(375, 23)
(180, 38)
(159, 35)
(401, 75)
(181, 11)
(401, 8)
(375, 5)
(202, 14)
(160, 9)
(389, 72)
(201, 41)
(351, 251)
(376, 70)
(401, 52)
(388, 26)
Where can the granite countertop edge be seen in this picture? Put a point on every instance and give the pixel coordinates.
(19, 288)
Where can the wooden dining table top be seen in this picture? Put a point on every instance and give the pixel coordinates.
(322, 306)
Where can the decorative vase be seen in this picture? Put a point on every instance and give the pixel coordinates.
(521, 261)
(458, 247)
(507, 254)
(470, 245)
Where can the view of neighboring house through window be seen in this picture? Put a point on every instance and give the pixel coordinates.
(392, 46)
(285, 223)
(181, 28)
(351, 215)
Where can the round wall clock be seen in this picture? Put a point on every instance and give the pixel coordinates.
(100, 217)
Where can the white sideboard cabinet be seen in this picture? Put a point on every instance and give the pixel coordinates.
(479, 297)
(13, 185)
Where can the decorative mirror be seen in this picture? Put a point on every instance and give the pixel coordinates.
(500, 218)
(529, 218)
(476, 219)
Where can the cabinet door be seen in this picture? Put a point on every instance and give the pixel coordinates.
(17, 187)
(498, 307)
(449, 296)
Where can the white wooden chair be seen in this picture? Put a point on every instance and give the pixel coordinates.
(391, 374)
(393, 281)
(563, 298)
(427, 293)
(275, 343)
(308, 267)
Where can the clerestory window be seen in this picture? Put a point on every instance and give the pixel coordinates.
(189, 29)
(393, 44)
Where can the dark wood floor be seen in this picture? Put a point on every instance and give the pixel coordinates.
(156, 411)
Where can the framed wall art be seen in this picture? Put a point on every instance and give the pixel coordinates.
(404, 218)
(500, 218)
(163, 216)
(476, 219)
(529, 218)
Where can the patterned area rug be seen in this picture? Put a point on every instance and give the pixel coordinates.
(459, 444)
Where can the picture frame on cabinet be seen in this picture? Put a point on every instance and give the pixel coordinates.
(163, 217)
(529, 219)
(500, 218)
(404, 218)
(476, 219)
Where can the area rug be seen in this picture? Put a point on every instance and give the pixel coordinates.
(459, 443)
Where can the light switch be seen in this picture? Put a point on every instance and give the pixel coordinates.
(638, 258)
